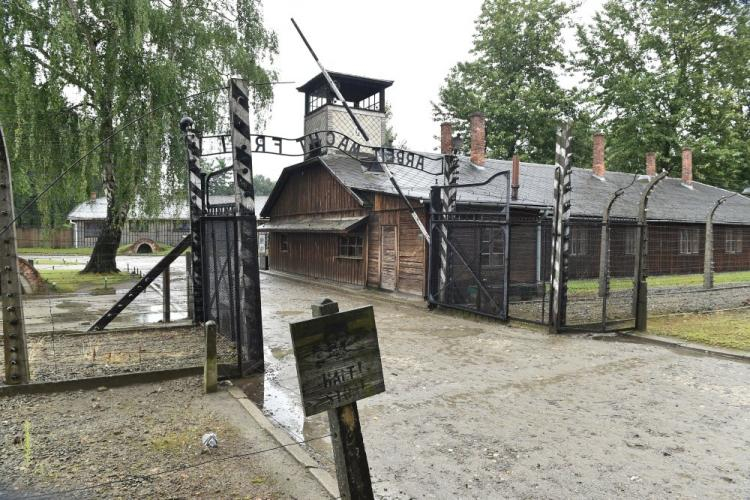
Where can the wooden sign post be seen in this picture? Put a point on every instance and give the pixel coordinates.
(338, 363)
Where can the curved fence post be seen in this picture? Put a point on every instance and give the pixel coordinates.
(640, 291)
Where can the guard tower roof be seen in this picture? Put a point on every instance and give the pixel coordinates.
(353, 88)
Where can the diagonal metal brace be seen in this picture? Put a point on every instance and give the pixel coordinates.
(471, 271)
(141, 285)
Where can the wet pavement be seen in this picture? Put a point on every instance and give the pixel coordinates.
(79, 310)
(477, 409)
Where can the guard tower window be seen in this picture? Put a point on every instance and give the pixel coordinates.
(371, 103)
(316, 102)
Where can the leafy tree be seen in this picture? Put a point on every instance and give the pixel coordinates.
(224, 184)
(263, 185)
(511, 78)
(96, 66)
(664, 74)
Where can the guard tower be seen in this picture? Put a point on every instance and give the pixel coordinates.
(365, 96)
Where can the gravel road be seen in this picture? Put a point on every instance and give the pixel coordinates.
(475, 409)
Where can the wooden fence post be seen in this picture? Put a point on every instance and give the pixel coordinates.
(210, 369)
(352, 470)
(166, 284)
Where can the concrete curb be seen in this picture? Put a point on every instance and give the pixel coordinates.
(690, 346)
(295, 450)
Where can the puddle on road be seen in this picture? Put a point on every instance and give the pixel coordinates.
(453, 332)
(72, 304)
(289, 313)
(280, 352)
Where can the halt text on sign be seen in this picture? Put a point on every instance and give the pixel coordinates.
(338, 359)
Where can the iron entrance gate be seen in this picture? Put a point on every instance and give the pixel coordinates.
(469, 254)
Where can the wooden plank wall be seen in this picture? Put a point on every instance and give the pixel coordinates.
(315, 255)
(311, 191)
(411, 264)
(38, 237)
(161, 231)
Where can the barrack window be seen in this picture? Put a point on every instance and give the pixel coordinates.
(733, 241)
(492, 251)
(350, 247)
(579, 241)
(690, 241)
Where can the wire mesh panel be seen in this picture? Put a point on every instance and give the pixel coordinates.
(618, 311)
(584, 302)
(469, 255)
(530, 254)
(221, 294)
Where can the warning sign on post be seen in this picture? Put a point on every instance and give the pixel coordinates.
(338, 359)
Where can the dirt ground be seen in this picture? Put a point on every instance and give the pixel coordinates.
(142, 441)
(476, 409)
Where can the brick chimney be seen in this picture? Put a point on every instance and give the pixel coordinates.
(93, 196)
(446, 137)
(478, 143)
(515, 177)
(651, 164)
(598, 168)
(687, 167)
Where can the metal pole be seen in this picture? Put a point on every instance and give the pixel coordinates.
(14, 327)
(189, 284)
(333, 86)
(640, 290)
(560, 231)
(448, 206)
(242, 161)
(210, 368)
(195, 201)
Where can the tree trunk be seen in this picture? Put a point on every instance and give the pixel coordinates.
(103, 257)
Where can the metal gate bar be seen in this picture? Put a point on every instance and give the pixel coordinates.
(473, 275)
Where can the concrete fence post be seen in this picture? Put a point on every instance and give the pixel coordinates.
(189, 285)
(166, 286)
(211, 367)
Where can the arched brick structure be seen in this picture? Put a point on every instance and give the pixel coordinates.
(143, 246)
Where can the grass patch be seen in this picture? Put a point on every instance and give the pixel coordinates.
(53, 251)
(69, 280)
(591, 286)
(723, 328)
(57, 262)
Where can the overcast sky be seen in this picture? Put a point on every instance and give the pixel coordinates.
(414, 43)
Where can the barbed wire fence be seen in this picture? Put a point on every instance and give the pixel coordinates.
(60, 304)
